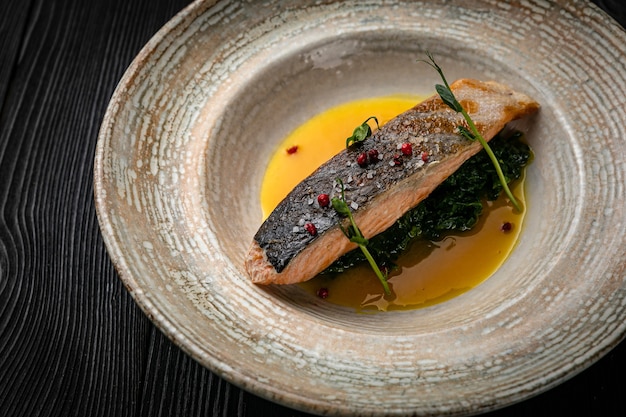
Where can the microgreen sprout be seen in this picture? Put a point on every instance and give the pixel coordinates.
(353, 233)
(361, 132)
(445, 92)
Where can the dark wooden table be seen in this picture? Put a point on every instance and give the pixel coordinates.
(72, 341)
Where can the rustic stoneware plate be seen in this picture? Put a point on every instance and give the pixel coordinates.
(191, 127)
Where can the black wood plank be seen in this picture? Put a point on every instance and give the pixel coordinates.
(72, 341)
(13, 30)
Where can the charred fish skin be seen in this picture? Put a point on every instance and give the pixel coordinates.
(283, 235)
(285, 251)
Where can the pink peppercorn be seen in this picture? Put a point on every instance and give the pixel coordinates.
(323, 200)
(373, 156)
(362, 159)
(506, 227)
(322, 292)
(407, 149)
(293, 149)
(425, 156)
(310, 227)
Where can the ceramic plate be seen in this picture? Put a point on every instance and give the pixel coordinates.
(191, 127)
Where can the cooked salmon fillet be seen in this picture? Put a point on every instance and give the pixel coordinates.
(287, 250)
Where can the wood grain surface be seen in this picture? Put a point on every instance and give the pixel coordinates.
(72, 341)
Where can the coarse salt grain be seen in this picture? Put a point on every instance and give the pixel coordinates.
(354, 205)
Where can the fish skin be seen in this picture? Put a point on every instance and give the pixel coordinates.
(284, 252)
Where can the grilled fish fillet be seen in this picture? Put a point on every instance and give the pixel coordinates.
(285, 252)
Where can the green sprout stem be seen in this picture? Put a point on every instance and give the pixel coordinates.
(360, 240)
(445, 92)
(493, 158)
(354, 235)
(377, 271)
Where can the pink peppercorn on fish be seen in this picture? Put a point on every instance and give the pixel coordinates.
(385, 176)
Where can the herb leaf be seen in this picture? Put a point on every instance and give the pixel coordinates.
(359, 240)
(466, 132)
(361, 132)
(340, 206)
(446, 95)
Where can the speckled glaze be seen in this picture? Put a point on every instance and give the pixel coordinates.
(192, 125)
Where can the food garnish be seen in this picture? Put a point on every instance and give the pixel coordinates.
(353, 233)
(361, 132)
(447, 96)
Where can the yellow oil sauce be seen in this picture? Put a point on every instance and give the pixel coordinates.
(430, 272)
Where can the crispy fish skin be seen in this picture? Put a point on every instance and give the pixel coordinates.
(284, 252)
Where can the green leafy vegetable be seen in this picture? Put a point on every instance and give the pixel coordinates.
(361, 132)
(446, 94)
(450, 100)
(454, 206)
(465, 132)
(353, 233)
